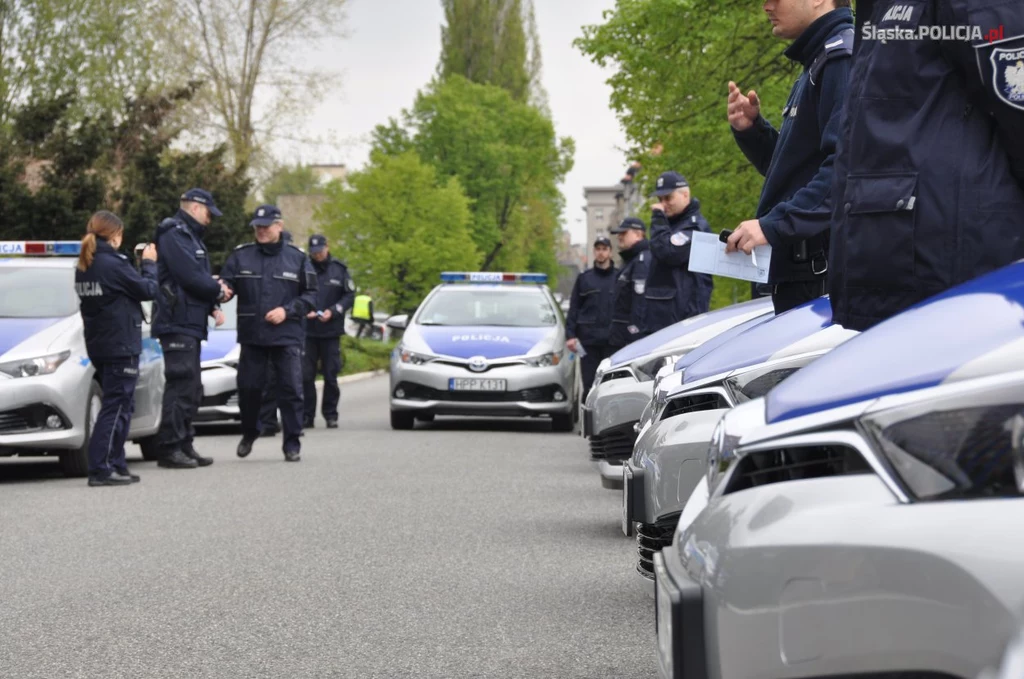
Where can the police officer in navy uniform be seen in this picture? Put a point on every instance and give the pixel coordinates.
(325, 325)
(590, 312)
(268, 407)
(674, 293)
(631, 283)
(795, 209)
(929, 185)
(188, 296)
(276, 288)
(111, 292)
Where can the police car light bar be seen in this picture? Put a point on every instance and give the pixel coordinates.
(492, 277)
(40, 247)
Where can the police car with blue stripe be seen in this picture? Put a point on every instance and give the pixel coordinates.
(484, 343)
(218, 358)
(858, 519)
(49, 398)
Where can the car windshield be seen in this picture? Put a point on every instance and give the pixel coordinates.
(513, 307)
(230, 310)
(37, 292)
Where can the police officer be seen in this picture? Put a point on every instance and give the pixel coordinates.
(362, 313)
(930, 168)
(276, 288)
(268, 406)
(110, 290)
(795, 210)
(631, 283)
(325, 325)
(673, 293)
(188, 295)
(590, 312)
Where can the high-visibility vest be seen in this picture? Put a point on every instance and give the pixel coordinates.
(361, 308)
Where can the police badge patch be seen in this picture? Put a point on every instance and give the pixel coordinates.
(639, 286)
(1008, 75)
(679, 239)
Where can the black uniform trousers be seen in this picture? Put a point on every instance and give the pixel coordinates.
(252, 374)
(322, 353)
(118, 378)
(588, 364)
(786, 296)
(183, 391)
(268, 406)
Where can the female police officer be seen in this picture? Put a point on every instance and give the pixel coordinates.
(110, 291)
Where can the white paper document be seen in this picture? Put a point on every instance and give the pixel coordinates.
(707, 255)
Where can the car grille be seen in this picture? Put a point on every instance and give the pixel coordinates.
(29, 419)
(652, 538)
(417, 392)
(613, 444)
(694, 404)
(12, 422)
(228, 398)
(616, 375)
(793, 464)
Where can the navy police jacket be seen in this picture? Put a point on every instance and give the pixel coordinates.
(265, 277)
(188, 292)
(590, 307)
(672, 292)
(335, 291)
(111, 292)
(795, 209)
(929, 187)
(630, 286)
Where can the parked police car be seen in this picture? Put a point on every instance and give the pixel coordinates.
(48, 397)
(488, 344)
(219, 363)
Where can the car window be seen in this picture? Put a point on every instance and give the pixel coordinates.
(527, 307)
(37, 292)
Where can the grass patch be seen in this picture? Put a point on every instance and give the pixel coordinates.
(364, 355)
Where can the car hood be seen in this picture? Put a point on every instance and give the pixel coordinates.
(488, 341)
(972, 330)
(32, 337)
(218, 345)
(691, 332)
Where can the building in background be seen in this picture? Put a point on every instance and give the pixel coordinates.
(607, 206)
(299, 210)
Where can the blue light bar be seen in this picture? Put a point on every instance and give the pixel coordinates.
(492, 277)
(44, 248)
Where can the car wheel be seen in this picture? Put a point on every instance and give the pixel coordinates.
(425, 417)
(562, 422)
(150, 447)
(402, 420)
(76, 462)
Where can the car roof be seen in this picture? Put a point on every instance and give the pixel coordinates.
(963, 332)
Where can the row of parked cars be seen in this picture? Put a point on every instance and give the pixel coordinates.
(808, 501)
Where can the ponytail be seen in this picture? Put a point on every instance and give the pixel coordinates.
(87, 252)
(103, 225)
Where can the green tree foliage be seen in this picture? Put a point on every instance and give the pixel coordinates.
(504, 153)
(298, 180)
(400, 224)
(56, 172)
(673, 60)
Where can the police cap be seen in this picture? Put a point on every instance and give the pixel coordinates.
(629, 223)
(265, 215)
(669, 182)
(203, 197)
(317, 243)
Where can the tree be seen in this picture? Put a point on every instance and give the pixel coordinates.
(241, 50)
(400, 225)
(673, 61)
(504, 153)
(300, 180)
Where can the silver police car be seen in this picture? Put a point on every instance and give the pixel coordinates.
(484, 343)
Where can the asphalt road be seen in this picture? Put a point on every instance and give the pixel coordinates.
(461, 549)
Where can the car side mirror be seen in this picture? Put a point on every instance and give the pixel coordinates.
(398, 322)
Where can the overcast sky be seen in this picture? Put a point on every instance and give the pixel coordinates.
(392, 51)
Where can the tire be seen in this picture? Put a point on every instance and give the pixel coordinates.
(402, 420)
(562, 422)
(425, 417)
(150, 447)
(76, 462)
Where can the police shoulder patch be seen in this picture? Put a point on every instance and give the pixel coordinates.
(351, 285)
(1008, 75)
(679, 239)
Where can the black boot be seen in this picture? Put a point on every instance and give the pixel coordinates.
(176, 459)
(244, 447)
(124, 473)
(190, 452)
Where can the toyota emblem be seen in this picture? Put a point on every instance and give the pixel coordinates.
(478, 364)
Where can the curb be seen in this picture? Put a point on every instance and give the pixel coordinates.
(358, 377)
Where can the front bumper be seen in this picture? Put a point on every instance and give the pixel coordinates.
(220, 394)
(616, 404)
(679, 616)
(26, 403)
(528, 390)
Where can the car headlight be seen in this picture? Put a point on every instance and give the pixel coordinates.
(545, 360)
(406, 356)
(651, 368)
(33, 367)
(757, 382)
(970, 445)
(734, 425)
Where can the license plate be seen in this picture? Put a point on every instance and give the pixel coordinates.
(471, 384)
